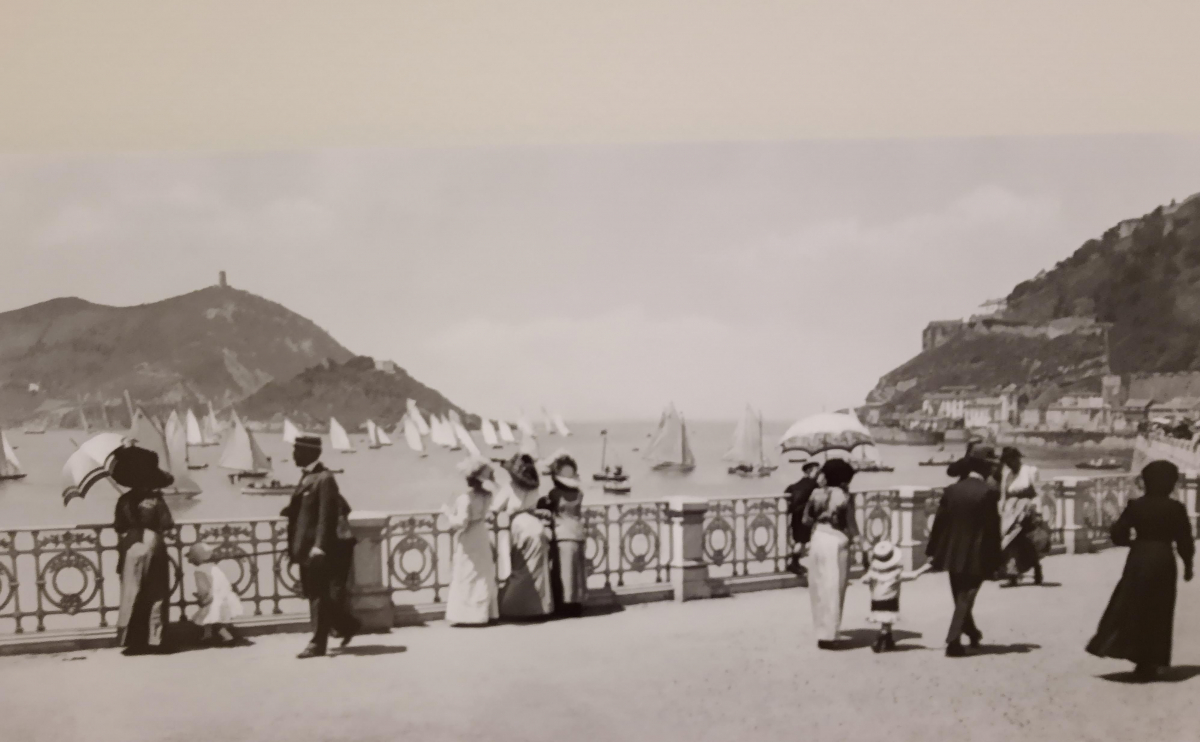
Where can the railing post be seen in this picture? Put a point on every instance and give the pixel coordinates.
(1071, 514)
(370, 598)
(911, 526)
(689, 571)
(1189, 484)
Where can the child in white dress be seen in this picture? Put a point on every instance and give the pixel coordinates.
(219, 604)
(884, 576)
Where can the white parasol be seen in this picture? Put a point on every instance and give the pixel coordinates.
(90, 464)
(828, 431)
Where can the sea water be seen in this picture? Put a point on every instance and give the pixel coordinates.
(394, 478)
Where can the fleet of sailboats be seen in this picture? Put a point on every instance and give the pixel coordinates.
(669, 449)
(10, 465)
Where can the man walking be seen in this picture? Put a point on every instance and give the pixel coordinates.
(320, 541)
(798, 495)
(965, 541)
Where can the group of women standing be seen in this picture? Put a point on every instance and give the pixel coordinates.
(546, 575)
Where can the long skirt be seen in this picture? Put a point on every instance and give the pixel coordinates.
(1018, 555)
(1140, 619)
(145, 590)
(569, 578)
(527, 593)
(828, 574)
(473, 599)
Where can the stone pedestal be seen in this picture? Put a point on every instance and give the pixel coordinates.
(908, 525)
(1070, 516)
(689, 571)
(370, 598)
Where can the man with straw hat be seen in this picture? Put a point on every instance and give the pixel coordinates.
(320, 542)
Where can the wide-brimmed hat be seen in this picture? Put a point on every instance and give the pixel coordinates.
(884, 555)
(475, 467)
(137, 468)
(558, 469)
(199, 554)
(523, 470)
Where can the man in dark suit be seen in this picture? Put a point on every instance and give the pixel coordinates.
(319, 540)
(965, 541)
(798, 495)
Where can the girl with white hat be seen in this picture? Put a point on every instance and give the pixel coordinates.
(219, 603)
(884, 576)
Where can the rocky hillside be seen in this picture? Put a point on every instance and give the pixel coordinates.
(218, 344)
(352, 391)
(1142, 278)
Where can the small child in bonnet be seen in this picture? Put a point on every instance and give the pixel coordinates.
(219, 604)
(884, 576)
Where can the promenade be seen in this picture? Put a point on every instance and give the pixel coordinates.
(744, 667)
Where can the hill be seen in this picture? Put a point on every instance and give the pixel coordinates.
(218, 343)
(352, 391)
(1128, 301)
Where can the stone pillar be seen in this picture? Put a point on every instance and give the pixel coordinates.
(689, 571)
(370, 598)
(1070, 516)
(908, 525)
(1189, 486)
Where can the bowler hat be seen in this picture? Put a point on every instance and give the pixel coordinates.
(137, 468)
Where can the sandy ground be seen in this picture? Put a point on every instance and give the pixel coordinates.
(734, 668)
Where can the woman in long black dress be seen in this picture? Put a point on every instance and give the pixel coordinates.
(1139, 621)
(142, 520)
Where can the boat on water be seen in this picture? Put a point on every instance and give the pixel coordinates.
(170, 444)
(274, 487)
(290, 431)
(669, 449)
(195, 433)
(412, 436)
(618, 488)
(417, 418)
(338, 439)
(37, 427)
(242, 454)
(373, 433)
(747, 454)
(463, 437)
(1101, 464)
(490, 439)
(211, 430)
(560, 427)
(506, 432)
(615, 473)
(10, 465)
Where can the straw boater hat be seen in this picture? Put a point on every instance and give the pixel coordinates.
(562, 462)
(137, 468)
(308, 441)
(884, 555)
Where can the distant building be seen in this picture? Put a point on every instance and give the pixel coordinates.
(388, 366)
(1078, 412)
(221, 280)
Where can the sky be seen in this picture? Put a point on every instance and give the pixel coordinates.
(601, 281)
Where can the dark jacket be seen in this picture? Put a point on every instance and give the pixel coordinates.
(139, 511)
(798, 495)
(965, 538)
(313, 514)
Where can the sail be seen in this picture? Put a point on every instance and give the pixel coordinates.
(547, 422)
(382, 436)
(83, 421)
(417, 418)
(373, 434)
(412, 435)
(506, 434)
(212, 428)
(686, 459)
(177, 448)
(662, 430)
(290, 431)
(242, 452)
(465, 439)
(146, 433)
(670, 447)
(740, 452)
(193, 434)
(561, 426)
(337, 436)
(524, 425)
(10, 465)
(489, 434)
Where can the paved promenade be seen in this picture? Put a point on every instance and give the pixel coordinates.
(744, 667)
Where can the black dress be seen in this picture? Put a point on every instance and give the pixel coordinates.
(1139, 621)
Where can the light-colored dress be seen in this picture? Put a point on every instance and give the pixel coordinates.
(473, 598)
(830, 514)
(885, 592)
(1020, 495)
(219, 604)
(527, 593)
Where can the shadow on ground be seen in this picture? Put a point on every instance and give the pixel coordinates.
(370, 650)
(1006, 586)
(1001, 649)
(1176, 674)
(861, 638)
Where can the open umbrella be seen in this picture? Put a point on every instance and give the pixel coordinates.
(90, 464)
(828, 431)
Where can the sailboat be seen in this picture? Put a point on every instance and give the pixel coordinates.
(195, 436)
(373, 435)
(147, 433)
(290, 431)
(525, 426)
(212, 429)
(559, 426)
(506, 433)
(338, 439)
(10, 465)
(412, 436)
(746, 453)
(456, 440)
(242, 454)
(489, 434)
(177, 445)
(465, 439)
(669, 449)
(417, 418)
(382, 436)
(607, 473)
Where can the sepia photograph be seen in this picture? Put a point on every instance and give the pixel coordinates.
(390, 370)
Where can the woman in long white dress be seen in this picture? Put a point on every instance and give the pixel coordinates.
(527, 593)
(473, 599)
(830, 516)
